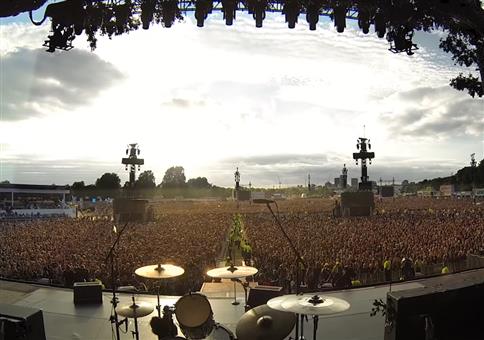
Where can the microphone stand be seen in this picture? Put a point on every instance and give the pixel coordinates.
(114, 300)
(299, 259)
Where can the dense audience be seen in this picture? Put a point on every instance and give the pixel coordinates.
(69, 250)
(355, 248)
(337, 251)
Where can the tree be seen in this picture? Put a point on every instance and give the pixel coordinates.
(5, 182)
(108, 181)
(76, 186)
(174, 177)
(199, 182)
(146, 180)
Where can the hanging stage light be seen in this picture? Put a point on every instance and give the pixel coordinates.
(259, 12)
(400, 39)
(291, 11)
(202, 8)
(147, 11)
(339, 17)
(380, 23)
(170, 11)
(312, 14)
(60, 39)
(364, 19)
(229, 7)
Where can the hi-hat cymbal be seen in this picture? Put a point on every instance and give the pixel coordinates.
(135, 310)
(232, 272)
(159, 271)
(264, 323)
(309, 304)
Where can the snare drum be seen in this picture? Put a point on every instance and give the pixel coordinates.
(194, 315)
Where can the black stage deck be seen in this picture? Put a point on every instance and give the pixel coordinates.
(64, 321)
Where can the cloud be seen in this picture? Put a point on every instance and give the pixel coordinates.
(436, 112)
(35, 82)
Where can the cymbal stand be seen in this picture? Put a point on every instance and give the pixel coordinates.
(235, 302)
(114, 301)
(244, 285)
(299, 260)
(315, 325)
(158, 306)
(135, 332)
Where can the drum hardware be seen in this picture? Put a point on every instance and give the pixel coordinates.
(135, 311)
(298, 258)
(245, 285)
(309, 304)
(233, 272)
(158, 272)
(112, 257)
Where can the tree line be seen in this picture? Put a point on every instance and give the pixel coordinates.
(174, 178)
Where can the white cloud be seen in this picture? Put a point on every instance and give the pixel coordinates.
(209, 98)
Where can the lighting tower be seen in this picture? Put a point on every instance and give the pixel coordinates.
(473, 169)
(237, 179)
(132, 151)
(309, 182)
(344, 177)
(363, 144)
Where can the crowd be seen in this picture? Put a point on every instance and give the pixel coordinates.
(71, 250)
(337, 251)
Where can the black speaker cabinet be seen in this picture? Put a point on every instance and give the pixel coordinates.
(259, 295)
(454, 309)
(21, 323)
(88, 293)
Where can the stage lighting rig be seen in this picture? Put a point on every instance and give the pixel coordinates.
(237, 179)
(132, 161)
(291, 11)
(400, 39)
(363, 145)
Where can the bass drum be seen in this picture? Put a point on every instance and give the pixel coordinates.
(195, 316)
(221, 332)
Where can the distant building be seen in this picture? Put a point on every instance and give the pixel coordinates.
(337, 182)
(354, 183)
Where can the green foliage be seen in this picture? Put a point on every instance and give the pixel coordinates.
(199, 182)
(464, 179)
(146, 180)
(174, 178)
(108, 181)
(76, 186)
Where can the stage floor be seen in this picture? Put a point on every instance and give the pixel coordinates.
(65, 321)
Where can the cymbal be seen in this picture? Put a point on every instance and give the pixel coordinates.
(264, 323)
(309, 304)
(135, 310)
(232, 272)
(159, 271)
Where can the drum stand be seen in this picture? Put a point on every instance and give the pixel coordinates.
(315, 325)
(158, 306)
(235, 302)
(135, 332)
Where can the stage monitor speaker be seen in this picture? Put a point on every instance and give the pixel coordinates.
(451, 311)
(88, 293)
(21, 323)
(259, 295)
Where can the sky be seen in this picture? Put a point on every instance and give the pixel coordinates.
(277, 103)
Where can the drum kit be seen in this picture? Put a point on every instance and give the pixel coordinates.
(273, 321)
